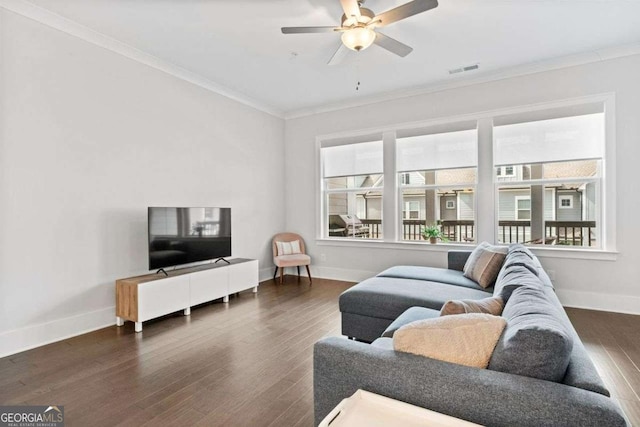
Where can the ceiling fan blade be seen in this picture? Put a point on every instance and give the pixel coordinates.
(350, 7)
(339, 55)
(392, 45)
(304, 30)
(404, 11)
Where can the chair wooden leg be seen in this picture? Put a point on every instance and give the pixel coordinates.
(281, 275)
(298, 267)
(275, 273)
(309, 273)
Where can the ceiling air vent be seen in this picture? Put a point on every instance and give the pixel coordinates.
(464, 69)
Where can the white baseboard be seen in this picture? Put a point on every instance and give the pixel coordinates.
(331, 273)
(599, 301)
(265, 274)
(348, 275)
(18, 340)
(576, 299)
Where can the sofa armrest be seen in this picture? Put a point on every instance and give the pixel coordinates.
(482, 396)
(457, 259)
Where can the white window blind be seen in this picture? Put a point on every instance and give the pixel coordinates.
(353, 159)
(567, 138)
(449, 150)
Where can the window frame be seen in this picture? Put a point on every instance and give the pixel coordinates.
(517, 207)
(502, 171)
(485, 189)
(564, 197)
(408, 204)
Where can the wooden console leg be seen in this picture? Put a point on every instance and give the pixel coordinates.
(119, 321)
(138, 327)
(187, 311)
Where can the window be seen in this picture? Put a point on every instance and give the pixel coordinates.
(411, 210)
(556, 199)
(523, 208)
(545, 167)
(566, 202)
(353, 189)
(442, 167)
(505, 171)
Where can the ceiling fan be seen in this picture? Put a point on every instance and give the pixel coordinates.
(359, 24)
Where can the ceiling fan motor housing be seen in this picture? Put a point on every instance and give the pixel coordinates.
(366, 16)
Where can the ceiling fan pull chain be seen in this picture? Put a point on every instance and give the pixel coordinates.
(357, 66)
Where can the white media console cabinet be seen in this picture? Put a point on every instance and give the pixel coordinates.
(153, 295)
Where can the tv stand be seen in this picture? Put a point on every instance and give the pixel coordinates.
(221, 259)
(162, 270)
(153, 295)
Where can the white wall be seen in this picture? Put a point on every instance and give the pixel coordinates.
(609, 285)
(89, 139)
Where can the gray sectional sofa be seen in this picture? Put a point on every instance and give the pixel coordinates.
(539, 375)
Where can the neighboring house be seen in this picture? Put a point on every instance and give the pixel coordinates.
(566, 202)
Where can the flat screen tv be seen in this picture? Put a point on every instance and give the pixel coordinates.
(180, 236)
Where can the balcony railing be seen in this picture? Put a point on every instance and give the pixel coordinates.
(571, 233)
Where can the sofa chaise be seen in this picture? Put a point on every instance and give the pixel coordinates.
(539, 374)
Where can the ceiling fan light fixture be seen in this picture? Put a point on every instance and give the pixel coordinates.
(358, 38)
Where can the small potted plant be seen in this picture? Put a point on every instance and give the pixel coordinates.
(432, 233)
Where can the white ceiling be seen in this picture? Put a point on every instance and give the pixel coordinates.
(238, 43)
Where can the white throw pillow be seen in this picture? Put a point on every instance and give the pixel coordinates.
(465, 339)
(295, 247)
(288, 248)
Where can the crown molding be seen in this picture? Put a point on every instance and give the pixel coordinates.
(520, 70)
(60, 23)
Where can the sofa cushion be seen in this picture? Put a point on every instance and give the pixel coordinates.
(518, 254)
(536, 342)
(384, 343)
(433, 274)
(491, 305)
(388, 298)
(520, 259)
(483, 265)
(517, 248)
(410, 315)
(465, 339)
(292, 260)
(520, 248)
(512, 277)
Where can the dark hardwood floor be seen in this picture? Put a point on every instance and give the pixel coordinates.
(247, 363)
(613, 342)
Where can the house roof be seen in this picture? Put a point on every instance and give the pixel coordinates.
(577, 169)
(464, 177)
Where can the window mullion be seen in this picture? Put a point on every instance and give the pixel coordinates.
(485, 196)
(390, 195)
